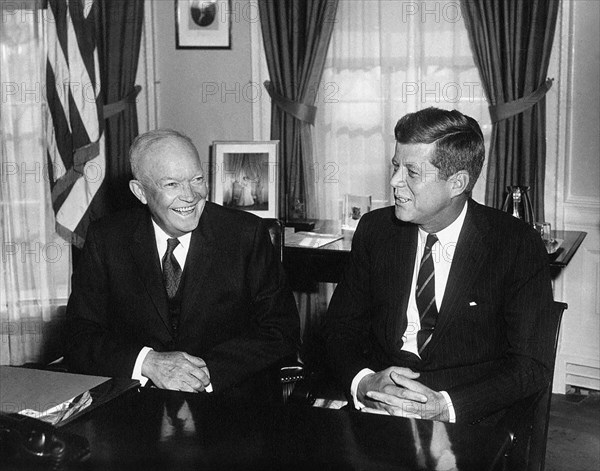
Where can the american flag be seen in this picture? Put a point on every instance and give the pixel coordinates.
(74, 125)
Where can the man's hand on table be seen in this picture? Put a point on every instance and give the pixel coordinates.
(395, 391)
(176, 370)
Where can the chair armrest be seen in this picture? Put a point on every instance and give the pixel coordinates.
(519, 421)
(291, 371)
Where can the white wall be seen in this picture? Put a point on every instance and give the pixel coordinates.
(205, 93)
(573, 186)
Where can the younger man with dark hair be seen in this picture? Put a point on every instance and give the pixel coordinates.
(441, 313)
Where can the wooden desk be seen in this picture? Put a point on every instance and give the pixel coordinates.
(306, 267)
(138, 431)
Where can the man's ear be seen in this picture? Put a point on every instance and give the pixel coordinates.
(459, 182)
(137, 189)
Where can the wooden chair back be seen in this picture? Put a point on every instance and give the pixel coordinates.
(277, 233)
(529, 441)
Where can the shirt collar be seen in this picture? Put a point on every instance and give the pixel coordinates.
(162, 236)
(448, 235)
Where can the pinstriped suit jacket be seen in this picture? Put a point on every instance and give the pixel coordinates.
(492, 339)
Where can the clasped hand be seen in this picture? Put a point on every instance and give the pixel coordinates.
(176, 370)
(395, 391)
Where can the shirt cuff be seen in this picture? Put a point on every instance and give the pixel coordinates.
(451, 411)
(137, 368)
(354, 386)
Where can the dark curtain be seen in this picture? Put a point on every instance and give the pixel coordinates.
(511, 42)
(120, 36)
(296, 36)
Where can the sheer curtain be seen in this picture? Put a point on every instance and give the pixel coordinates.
(387, 58)
(35, 261)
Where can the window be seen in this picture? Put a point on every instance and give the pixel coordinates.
(35, 261)
(387, 58)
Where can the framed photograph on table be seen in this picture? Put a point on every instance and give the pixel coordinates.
(245, 176)
(202, 24)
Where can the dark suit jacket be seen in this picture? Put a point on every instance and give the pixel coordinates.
(492, 341)
(237, 312)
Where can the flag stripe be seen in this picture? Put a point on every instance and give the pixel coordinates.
(57, 79)
(83, 91)
(56, 123)
(84, 29)
(75, 140)
(57, 16)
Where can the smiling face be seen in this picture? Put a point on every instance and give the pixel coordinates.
(172, 183)
(421, 195)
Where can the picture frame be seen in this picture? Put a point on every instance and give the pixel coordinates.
(203, 24)
(245, 175)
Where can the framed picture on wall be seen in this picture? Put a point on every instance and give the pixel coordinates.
(202, 24)
(245, 175)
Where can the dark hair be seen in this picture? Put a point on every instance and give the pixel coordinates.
(457, 137)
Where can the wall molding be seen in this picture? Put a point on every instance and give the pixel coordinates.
(147, 100)
(583, 372)
(582, 215)
(579, 371)
(558, 115)
(261, 108)
(582, 201)
(578, 355)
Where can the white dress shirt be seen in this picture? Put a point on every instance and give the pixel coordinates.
(442, 253)
(180, 254)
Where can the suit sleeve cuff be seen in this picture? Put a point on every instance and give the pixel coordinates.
(137, 367)
(451, 411)
(354, 386)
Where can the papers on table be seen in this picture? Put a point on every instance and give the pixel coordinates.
(45, 395)
(329, 403)
(310, 239)
(62, 411)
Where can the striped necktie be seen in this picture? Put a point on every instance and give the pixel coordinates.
(425, 295)
(171, 269)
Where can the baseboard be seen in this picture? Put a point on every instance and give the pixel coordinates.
(576, 371)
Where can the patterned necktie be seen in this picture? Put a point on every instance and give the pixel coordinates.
(171, 269)
(425, 294)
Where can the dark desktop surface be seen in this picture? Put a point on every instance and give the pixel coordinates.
(156, 429)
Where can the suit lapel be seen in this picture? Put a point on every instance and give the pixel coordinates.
(471, 251)
(399, 252)
(145, 255)
(198, 263)
(405, 247)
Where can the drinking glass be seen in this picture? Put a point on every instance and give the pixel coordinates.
(545, 231)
